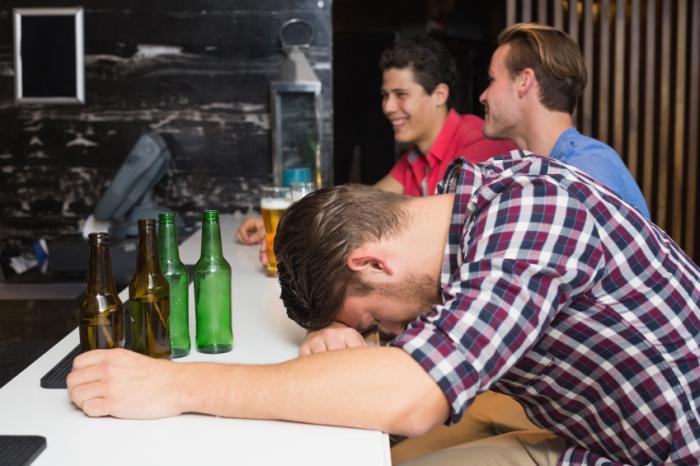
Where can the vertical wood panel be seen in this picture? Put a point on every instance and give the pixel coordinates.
(526, 11)
(573, 21)
(664, 116)
(604, 48)
(679, 154)
(587, 107)
(643, 94)
(510, 12)
(572, 30)
(558, 15)
(542, 11)
(649, 94)
(691, 205)
(619, 77)
(633, 107)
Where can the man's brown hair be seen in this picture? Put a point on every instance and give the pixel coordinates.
(553, 56)
(314, 239)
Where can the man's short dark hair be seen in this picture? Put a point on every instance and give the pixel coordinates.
(428, 58)
(314, 239)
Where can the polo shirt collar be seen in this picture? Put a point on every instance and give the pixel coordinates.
(439, 149)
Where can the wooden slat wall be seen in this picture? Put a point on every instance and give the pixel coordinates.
(643, 95)
(691, 212)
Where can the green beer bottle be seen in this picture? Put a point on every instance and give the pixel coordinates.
(176, 274)
(212, 290)
(149, 300)
(101, 314)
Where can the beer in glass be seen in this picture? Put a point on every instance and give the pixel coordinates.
(274, 201)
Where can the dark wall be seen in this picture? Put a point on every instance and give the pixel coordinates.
(195, 71)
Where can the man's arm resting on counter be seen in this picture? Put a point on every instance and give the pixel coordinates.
(389, 184)
(372, 388)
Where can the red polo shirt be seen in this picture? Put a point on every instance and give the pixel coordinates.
(460, 136)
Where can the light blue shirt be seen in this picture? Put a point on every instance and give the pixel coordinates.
(600, 162)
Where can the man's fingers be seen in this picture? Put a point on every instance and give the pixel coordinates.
(317, 346)
(262, 254)
(95, 407)
(250, 231)
(80, 394)
(79, 377)
(354, 340)
(89, 359)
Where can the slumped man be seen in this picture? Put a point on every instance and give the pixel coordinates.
(540, 284)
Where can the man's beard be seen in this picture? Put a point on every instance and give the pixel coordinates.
(418, 292)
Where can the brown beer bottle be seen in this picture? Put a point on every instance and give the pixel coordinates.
(149, 298)
(101, 314)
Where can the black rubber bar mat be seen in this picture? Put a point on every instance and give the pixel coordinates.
(20, 450)
(56, 377)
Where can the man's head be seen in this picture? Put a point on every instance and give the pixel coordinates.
(531, 57)
(327, 266)
(418, 75)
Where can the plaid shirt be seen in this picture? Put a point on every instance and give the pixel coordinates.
(561, 295)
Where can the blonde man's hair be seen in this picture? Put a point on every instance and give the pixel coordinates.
(555, 59)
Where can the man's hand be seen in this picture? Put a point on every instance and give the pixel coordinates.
(251, 231)
(388, 390)
(262, 254)
(124, 384)
(335, 336)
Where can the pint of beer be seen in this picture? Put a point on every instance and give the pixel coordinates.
(273, 203)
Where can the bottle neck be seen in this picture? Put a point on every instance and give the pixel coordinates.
(211, 239)
(100, 278)
(147, 257)
(167, 239)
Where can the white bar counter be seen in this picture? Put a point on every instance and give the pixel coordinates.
(262, 334)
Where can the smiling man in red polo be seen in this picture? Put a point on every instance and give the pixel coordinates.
(418, 77)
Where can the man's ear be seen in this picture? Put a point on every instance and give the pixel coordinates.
(367, 260)
(526, 81)
(441, 93)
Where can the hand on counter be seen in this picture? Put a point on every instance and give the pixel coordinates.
(123, 384)
(251, 231)
(335, 336)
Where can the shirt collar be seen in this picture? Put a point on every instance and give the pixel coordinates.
(465, 179)
(442, 143)
(567, 137)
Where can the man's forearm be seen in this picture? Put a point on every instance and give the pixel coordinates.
(373, 388)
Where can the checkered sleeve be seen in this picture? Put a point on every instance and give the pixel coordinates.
(526, 249)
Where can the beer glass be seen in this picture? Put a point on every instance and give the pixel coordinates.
(301, 189)
(273, 202)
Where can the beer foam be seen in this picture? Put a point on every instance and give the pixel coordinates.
(275, 204)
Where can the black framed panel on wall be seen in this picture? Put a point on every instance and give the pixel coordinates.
(49, 62)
